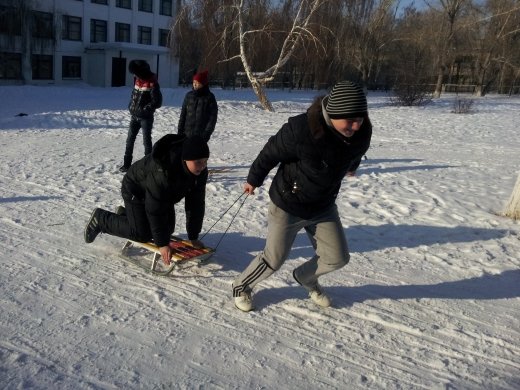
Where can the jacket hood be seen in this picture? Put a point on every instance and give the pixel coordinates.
(166, 148)
(316, 120)
(141, 69)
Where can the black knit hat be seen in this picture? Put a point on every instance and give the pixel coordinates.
(346, 100)
(194, 148)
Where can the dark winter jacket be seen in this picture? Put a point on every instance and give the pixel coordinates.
(313, 158)
(160, 180)
(146, 97)
(199, 114)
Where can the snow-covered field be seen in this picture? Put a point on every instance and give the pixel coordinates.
(430, 299)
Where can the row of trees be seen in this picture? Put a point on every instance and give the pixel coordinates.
(313, 43)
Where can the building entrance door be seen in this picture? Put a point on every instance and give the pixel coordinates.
(118, 71)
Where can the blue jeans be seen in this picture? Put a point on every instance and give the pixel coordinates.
(136, 124)
(326, 234)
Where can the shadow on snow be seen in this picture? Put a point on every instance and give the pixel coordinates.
(505, 285)
(28, 198)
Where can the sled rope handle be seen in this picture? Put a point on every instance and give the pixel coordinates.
(232, 219)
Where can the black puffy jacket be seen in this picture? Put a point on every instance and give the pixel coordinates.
(146, 97)
(313, 158)
(198, 114)
(160, 180)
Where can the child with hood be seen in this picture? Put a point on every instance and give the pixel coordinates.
(145, 99)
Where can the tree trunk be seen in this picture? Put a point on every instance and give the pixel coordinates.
(512, 209)
(262, 97)
(438, 86)
(480, 88)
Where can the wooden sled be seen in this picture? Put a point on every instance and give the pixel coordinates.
(182, 250)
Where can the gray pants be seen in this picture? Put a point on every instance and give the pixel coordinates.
(327, 238)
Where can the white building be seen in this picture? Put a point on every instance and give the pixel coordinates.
(91, 41)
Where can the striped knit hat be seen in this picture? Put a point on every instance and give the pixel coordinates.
(346, 100)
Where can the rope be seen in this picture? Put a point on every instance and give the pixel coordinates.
(232, 219)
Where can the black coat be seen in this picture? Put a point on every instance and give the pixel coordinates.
(160, 180)
(313, 158)
(198, 114)
(146, 97)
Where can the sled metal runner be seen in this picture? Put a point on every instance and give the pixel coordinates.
(182, 251)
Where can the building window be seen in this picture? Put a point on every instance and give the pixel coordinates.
(98, 30)
(144, 35)
(10, 66)
(166, 7)
(42, 67)
(163, 37)
(10, 21)
(42, 25)
(71, 28)
(124, 4)
(70, 67)
(122, 32)
(145, 5)
(105, 2)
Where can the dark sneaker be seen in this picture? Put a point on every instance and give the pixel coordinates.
(124, 168)
(120, 210)
(92, 229)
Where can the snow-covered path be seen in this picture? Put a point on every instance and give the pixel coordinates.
(430, 300)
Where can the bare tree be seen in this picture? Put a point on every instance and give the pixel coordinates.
(298, 32)
(319, 61)
(496, 40)
(239, 30)
(367, 29)
(449, 13)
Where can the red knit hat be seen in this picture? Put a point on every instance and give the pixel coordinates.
(201, 77)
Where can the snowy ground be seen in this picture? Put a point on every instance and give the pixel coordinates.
(430, 299)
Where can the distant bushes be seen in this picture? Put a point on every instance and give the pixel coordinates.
(462, 105)
(411, 95)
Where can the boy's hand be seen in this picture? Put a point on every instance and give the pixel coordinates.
(166, 254)
(249, 189)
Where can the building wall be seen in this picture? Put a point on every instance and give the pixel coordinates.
(97, 58)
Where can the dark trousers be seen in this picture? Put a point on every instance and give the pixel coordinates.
(133, 225)
(136, 124)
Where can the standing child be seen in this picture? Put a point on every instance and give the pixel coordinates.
(145, 99)
(199, 109)
(313, 152)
